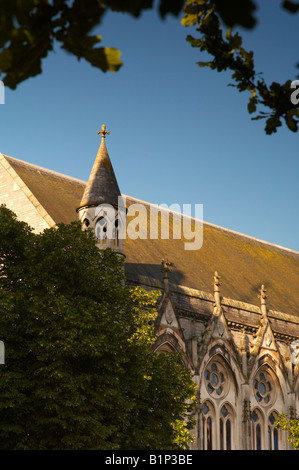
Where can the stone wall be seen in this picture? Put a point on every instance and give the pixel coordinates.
(18, 198)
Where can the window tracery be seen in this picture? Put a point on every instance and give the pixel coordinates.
(101, 229)
(208, 424)
(272, 432)
(217, 415)
(216, 380)
(263, 388)
(257, 429)
(225, 427)
(218, 425)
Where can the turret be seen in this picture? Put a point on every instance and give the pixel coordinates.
(102, 208)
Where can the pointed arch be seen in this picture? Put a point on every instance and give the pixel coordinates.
(258, 428)
(219, 387)
(168, 341)
(226, 426)
(265, 436)
(170, 336)
(268, 401)
(165, 347)
(219, 354)
(274, 434)
(266, 384)
(208, 425)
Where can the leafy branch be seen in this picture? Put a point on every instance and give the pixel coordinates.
(228, 53)
(291, 425)
(30, 28)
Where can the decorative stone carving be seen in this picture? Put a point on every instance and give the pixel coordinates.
(294, 347)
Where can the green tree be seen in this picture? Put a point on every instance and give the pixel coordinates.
(291, 426)
(79, 372)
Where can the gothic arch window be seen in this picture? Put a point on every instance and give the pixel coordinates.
(208, 425)
(101, 229)
(225, 427)
(265, 434)
(220, 391)
(273, 434)
(267, 394)
(105, 229)
(258, 429)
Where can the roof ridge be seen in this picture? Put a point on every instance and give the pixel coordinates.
(250, 237)
(38, 167)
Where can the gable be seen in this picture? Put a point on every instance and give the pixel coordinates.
(60, 195)
(17, 196)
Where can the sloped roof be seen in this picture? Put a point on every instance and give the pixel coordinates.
(60, 195)
(243, 262)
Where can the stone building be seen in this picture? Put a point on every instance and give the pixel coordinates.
(230, 306)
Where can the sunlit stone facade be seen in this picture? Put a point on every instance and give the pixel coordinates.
(231, 307)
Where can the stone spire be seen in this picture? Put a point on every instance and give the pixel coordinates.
(102, 208)
(102, 186)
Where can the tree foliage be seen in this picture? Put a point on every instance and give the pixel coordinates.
(227, 53)
(29, 29)
(291, 426)
(79, 372)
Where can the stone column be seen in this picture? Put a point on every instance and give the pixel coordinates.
(246, 428)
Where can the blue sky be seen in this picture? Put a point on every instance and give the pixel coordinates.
(178, 133)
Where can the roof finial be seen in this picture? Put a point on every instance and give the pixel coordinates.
(166, 265)
(217, 284)
(263, 297)
(166, 268)
(103, 131)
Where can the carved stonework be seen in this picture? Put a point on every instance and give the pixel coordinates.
(169, 314)
(294, 347)
(268, 338)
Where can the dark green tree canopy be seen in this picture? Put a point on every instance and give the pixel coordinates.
(79, 372)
